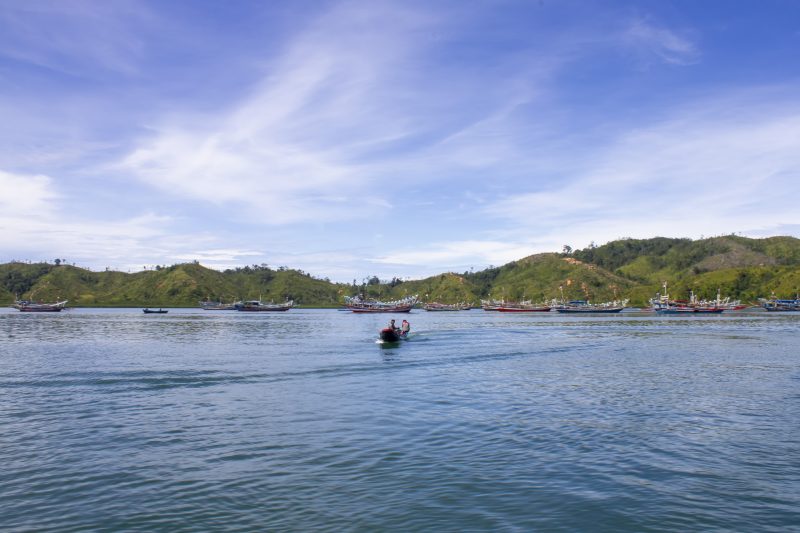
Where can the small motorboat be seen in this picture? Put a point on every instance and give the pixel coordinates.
(159, 311)
(392, 335)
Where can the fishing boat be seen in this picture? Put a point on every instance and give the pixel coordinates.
(525, 306)
(436, 306)
(38, 307)
(775, 304)
(158, 311)
(357, 304)
(492, 305)
(258, 305)
(208, 305)
(584, 306)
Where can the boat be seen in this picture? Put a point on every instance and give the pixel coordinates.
(158, 311)
(523, 307)
(391, 335)
(584, 306)
(775, 304)
(208, 305)
(492, 305)
(357, 304)
(258, 305)
(436, 306)
(37, 307)
(503, 306)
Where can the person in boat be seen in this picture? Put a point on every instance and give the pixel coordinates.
(392, 325)
(405, 328)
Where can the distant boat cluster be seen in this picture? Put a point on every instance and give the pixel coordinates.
(661, 304)
(774, 304)
(560, 306)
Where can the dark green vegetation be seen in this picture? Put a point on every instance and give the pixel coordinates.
(742, 268)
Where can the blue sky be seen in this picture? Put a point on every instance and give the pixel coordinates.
(390, 138)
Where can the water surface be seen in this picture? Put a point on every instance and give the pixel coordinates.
(203, 420)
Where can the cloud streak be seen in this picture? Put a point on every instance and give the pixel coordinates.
(664, 44)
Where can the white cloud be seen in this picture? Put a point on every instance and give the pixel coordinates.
(25, 195)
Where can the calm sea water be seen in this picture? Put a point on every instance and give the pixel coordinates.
(201, 420)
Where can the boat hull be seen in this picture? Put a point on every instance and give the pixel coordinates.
(592, 311)
(389, 335)
(523, 309)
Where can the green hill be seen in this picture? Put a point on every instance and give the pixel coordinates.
(740, 267)
(181, 285)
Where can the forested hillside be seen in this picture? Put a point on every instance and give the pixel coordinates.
(740, 267)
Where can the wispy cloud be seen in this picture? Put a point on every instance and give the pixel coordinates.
(713, 168)
(668, 45)
(459, 253)
(73, 37)
(294, 149)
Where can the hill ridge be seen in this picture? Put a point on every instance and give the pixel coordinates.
(741, 267)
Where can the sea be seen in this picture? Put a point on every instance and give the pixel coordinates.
(113, 420)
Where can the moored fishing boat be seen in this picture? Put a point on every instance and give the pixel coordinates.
(775, 304)
(584, 306)
(504, 306)
(436, 306)
(258, 305)
(38, 307)
(208, 305)
(357, 304)
(525, 306)
(492, 305)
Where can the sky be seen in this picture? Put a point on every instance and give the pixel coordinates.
(351, 139)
